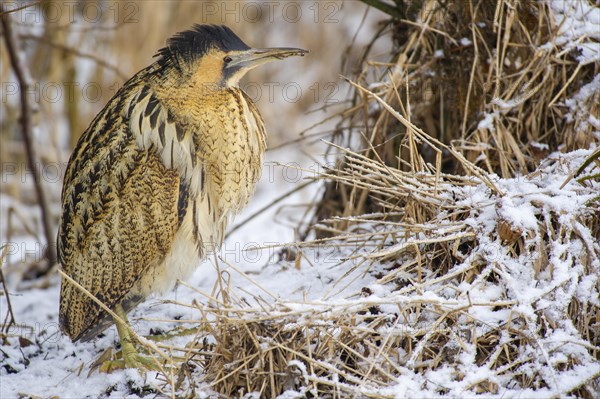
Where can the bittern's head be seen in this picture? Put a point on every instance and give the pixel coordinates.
(211, 54)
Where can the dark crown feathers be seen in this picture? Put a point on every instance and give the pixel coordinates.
(192, 44)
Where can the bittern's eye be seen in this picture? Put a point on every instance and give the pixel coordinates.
(227, 59)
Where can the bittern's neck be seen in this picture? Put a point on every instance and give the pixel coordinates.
(185, 90)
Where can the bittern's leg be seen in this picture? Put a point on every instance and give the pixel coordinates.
(128, 351)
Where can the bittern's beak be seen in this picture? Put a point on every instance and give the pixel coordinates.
(254, 57)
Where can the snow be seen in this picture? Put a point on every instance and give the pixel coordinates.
(464, 41)
(579, 22)
(578, 112)
(487, 123)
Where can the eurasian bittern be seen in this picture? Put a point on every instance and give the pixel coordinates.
(157, 176)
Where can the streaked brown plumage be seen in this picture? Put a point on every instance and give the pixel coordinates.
(154, 180)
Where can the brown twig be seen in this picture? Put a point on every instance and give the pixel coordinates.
(6, 12)
(9, 320)
(23, 79)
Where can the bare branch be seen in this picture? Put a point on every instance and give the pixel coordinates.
(23, 79)
(9, 320)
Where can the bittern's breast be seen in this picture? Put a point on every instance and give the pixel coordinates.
(226, 133)
(230, 143)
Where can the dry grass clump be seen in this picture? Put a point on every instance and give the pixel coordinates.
(501, 81)
(478, 246)
(302, 351)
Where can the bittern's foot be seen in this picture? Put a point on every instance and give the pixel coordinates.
(109, 362)
(134, 360)
(128, 356)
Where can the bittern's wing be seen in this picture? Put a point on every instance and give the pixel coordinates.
(123, 200)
